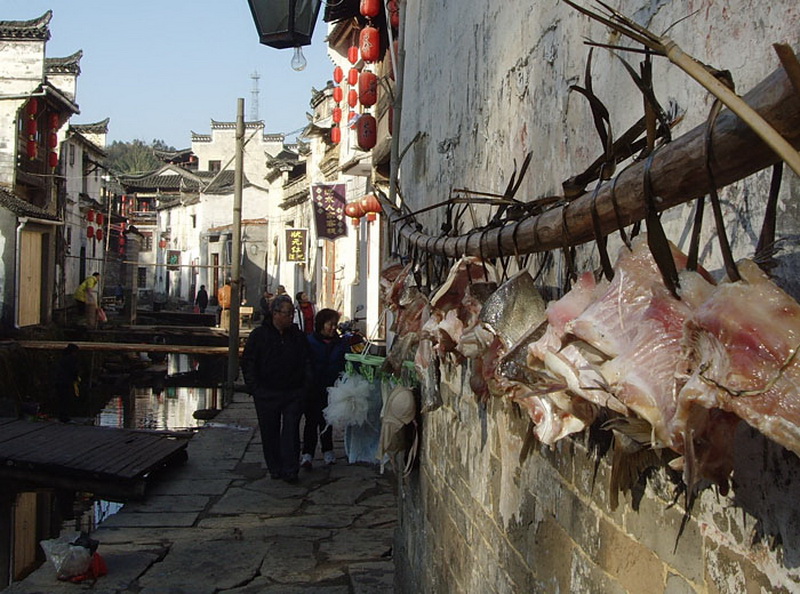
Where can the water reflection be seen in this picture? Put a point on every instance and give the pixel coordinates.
(164, 402)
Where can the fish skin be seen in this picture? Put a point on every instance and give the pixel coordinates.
(514, 308)
(742, 349)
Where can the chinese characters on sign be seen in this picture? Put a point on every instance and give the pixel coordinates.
(296, 245)
(329, 201)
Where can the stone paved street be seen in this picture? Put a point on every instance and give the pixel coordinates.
(218, 523)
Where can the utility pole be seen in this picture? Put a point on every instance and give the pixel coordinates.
(236, 256)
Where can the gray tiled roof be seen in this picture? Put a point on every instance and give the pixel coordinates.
(68, 64)
(176, 182)
(32, 29)
(100, 127)
(22, 208)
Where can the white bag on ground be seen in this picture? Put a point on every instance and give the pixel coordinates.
(68, 559)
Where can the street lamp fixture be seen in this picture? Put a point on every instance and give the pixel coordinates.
(286, 23)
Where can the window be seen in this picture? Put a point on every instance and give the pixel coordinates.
(71, 155)
(147, 241)
(214, 166)
(194, 221)
(141, 277)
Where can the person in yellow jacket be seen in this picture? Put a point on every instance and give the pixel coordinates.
(86, 298)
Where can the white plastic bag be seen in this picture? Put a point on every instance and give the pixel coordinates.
(68, 559)
(348, 401)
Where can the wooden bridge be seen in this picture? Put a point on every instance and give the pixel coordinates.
(111, 463)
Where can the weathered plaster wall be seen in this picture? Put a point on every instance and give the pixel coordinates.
(486, 83)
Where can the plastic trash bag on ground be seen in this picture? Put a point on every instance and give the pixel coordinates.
(68, 559)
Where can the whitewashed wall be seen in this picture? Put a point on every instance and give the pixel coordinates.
(485, 83)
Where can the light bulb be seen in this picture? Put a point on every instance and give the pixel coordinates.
(298, 60)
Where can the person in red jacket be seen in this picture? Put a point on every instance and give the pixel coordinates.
(305, 313)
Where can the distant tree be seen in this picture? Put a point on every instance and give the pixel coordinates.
(134, 157)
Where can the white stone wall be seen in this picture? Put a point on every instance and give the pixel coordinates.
(484, 84)
(21, 72)
(222, 147)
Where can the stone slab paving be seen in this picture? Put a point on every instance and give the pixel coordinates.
(219, 524)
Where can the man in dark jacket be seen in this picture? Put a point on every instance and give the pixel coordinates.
(276, 368)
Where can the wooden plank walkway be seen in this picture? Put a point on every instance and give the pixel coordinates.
(111, 463)
(85, 345)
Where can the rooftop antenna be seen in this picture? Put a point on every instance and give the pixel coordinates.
(254, 97)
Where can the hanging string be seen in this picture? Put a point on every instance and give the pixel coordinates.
(600, 238)
(765, 249)
(569, 251)
(503, 259)
(656, 237)
(522, 261)
(725, 247)
(697, 225)
(617, 215)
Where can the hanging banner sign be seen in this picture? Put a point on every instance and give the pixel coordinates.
(296, 241)
(329, 201)
(173, 259)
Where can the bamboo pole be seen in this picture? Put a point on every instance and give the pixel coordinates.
(678, 174)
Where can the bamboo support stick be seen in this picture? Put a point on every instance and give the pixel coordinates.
(678, 174)
(735, 103)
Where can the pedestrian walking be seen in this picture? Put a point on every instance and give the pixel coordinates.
(304, 316)
(264, 303)
(276, 367)
(201, 299)
(328, 351)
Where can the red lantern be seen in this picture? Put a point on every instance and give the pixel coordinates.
(52, 140)
(121, 240)
(32, 126)
(32, 149)
(99, 235)
(352, 77)
(370, 8)
(336, 114)
(352, 98)
(394, 14)
(32, 107)
(369, 43)
(371, 217)
(368, 89)
(162, 244)
(352, 54)
(338, 93)
(366, 131)
(89, 231)
(336, 135)
(54, 124)
(354, 209)
(351, 118)
(100, 219)
(338, 74)
(122, 224)
(52, 159)
(370, 203)
(90, 215)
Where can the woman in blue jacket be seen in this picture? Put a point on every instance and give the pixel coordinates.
(327, 360)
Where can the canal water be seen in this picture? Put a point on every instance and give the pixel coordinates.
(164, 396)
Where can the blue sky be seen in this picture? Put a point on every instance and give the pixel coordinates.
(162, 70)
